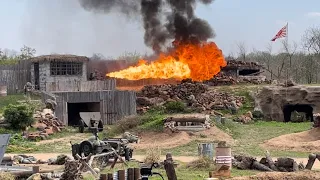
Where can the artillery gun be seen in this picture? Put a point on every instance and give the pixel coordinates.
(95, 146)
(92, 120)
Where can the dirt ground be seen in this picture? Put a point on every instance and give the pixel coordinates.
(301, 175)
(75, 137)
(171, 140)
(307, 141)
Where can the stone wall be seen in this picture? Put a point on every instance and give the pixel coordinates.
(272, 99)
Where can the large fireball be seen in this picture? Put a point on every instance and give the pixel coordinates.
(198, 62)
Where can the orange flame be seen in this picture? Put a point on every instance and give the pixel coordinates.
(198, 62)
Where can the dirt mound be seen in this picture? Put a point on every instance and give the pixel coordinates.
(305, 175)
(307, 141)
(216, 134)
(162, 140)
(170, 140)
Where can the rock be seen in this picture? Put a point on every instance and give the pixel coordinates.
(36, 176)
(40, 161)
(55, 129)
(48, 130)
(39, 126)
(62, 159)
(97, 170)
(249, 114)
(33, 137)
(52, 161)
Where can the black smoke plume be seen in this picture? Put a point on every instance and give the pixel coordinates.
(179, 24)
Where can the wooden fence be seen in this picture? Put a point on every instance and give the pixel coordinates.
(86, 86)
(15, 76)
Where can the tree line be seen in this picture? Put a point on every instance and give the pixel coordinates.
(289, 63)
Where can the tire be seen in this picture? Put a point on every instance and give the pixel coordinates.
(100, 126)
(127, 155)
(86, 148)
(81, 126)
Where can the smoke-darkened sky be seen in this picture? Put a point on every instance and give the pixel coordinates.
(63, 26)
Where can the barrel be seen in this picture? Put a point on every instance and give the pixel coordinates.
(3, 90)
(206, 150)
(223, 161)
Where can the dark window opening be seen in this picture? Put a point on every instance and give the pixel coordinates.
(246, 72)
(75, 108)
(300, 108)
(65, 68)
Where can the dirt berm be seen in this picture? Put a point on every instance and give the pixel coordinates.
(307, 141)
(301, 175)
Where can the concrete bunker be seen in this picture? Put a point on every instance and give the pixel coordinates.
(279, 102)
(74, 110)
(288, 109)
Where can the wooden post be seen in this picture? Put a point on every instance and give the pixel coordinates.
(210, 174)
(169, 167)
(35, 169)
(103, 177)
(136, 173)
(121, 175)
(110, 176)
(130, 174)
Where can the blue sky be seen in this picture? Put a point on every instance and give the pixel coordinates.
(62, 26)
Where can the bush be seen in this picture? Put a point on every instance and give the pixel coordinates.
(175, 107)
(127, 123)
(201, 163)
(6, 176)
(18, 116)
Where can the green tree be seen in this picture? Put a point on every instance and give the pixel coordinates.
(18, 116)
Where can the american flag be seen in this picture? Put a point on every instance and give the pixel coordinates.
(282, 33)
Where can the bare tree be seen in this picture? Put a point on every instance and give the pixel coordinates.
(311, 40)
(242, 51)
(26, 52)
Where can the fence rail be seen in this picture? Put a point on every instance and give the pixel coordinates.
(73, 86)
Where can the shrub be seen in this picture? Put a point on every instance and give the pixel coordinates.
(6, 176)
(18, 116)
(175, 107)
(127, 123)
(152, 155)
(201, 163)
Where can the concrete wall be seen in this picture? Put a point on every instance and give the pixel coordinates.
(45, 77)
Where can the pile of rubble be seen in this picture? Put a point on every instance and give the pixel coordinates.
(221, 80)
(266, 164)
(46, 124)
(25, 159)
(196, 95)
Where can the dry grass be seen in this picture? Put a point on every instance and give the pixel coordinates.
(201, 163)
(152, 155)
(6, 176)
(127, 123)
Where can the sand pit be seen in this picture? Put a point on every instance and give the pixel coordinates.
(170, 140)
(307, 141)
(305, 175)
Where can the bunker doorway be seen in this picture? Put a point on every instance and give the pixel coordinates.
(75, 108)
(306, 109)
(247, 72)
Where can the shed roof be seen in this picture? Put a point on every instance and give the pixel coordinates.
(60, 57)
